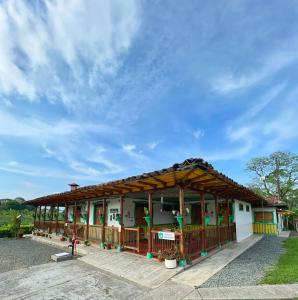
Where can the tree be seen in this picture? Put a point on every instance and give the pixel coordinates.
(276, 176)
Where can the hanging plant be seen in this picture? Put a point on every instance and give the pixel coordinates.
(179, 218)
(101, 218)
(118, 218)
(84, 217)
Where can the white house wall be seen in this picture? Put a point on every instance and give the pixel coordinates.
(128, 213)
(243, 220)
(113, 204)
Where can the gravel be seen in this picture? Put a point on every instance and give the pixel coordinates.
(21, 253)
(249, 268)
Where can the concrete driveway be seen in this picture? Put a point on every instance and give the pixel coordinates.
(66, 280)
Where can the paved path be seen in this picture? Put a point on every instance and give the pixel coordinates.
(289, 291)
(22, 253)
(201, 272)
(65, 280)
(147, 272)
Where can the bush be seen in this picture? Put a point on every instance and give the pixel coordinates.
(5, 231)
(27, 228)
(9, 231)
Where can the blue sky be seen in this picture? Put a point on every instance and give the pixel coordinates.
(92, 91)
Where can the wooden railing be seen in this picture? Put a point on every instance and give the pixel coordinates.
(211, 237)
(112, 235)
(159, 244)
(223, 234)
(131, 238)
(80, 231)
(95, 232)
(193, 242)
(232, 232)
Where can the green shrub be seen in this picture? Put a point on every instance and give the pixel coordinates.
(27, 228)
(5, 231)
(10, 231)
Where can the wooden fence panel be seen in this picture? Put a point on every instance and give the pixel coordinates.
(131, 238)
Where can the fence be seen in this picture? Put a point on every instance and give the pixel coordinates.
(95, 232)
(131, 238)
(160, 244)
(193, 242)
(112, 235)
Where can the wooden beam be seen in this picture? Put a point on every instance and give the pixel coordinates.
(198, 177)
(164, 183)
(185, 177)
(148, 183)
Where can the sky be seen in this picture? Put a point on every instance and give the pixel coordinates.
(93, 91)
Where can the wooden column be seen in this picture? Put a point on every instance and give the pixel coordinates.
(216, 219)
(35, 213)
(65, 212)
(51, 217)
(121, 237)
(182, 210)
(203, 214)
(88, 217)
(39, 214)
(150, 207)
(45, 212)
(57, 216)
(228, 218)
(104, 222)
(74, 217)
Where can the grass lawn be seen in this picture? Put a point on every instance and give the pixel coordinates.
(286, 270)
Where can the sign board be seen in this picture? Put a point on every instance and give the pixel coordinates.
(166, 235)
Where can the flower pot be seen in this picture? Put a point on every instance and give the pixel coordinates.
(147, 219)
(170, 263)
(180, 221)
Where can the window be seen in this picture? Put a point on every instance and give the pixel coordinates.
(240, 206)
(247, 207)
(266, 217)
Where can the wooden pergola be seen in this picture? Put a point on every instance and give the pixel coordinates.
(193, 174)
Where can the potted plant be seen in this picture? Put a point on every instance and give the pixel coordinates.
(87, 243)
(183, 260)
(170, 257)
(101, 218)
(108, 246)
(179, 218)
(147, 216)
(160, 257)
(20, 233)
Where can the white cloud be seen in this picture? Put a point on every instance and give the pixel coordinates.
(198, 134)
(63, 141)
(46, 46)
(129, 147)
(262, 70)
(152, 145)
